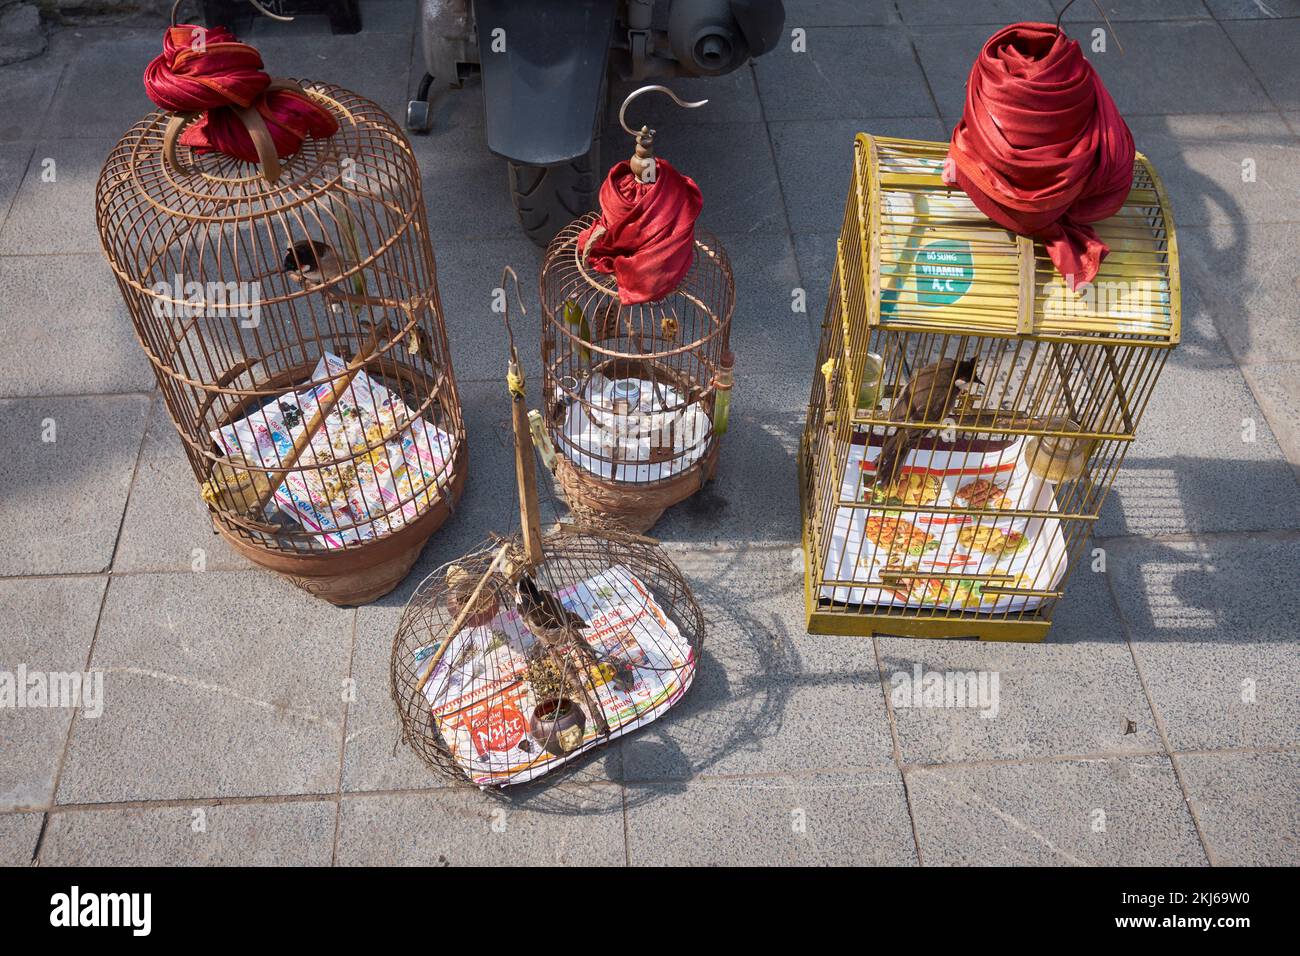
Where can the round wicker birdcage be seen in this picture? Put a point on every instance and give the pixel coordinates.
(291, 314)
(636, 397)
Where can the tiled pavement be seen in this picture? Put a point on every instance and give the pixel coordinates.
(1157, 725)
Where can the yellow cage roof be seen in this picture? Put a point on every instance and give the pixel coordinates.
(933, 262)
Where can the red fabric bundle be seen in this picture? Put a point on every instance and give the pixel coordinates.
(648, 242)
(209, 71)
(1041, 148)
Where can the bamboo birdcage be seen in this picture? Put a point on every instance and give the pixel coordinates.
(635, 397)
(291, 314)
(486, 698)
(977, 531)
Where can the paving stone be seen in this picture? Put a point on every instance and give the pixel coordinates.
(845, 71)
(56, 307)
(1253, 9)
(1242, 275)
(257, 834)
(1188, 52)
(1200, 159)
(1246, 805)
(226, 683)
(367, 63)
(29, 87)
(1071, 695)
(1190, 450)
(857, 819)
(816, 255)
(57, 216)
(1277, 389)
(1125, 10)
(765, 692)
(13, 165)
(167, 526)
(18, 835)
(767, 336)
(64, 498)
(101, 94)
(1212, 624)
(1269, 47)
(1127, 812)
(46, 626)
(463, 827)
(995, 13)
(815, 160)
(465, 186)
(946, 53)
(837, 13)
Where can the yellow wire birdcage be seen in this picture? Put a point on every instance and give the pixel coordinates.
(971, 410)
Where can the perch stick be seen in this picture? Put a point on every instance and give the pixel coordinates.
(459, 621)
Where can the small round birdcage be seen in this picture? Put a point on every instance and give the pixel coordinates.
(290, 311)
(636, 391)
(513, 661)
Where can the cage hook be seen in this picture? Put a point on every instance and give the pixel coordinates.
(1099, 10)
(510, 332)
(643, 159)
(256, 5)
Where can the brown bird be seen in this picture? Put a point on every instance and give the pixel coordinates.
(312, 262)
(928, 397)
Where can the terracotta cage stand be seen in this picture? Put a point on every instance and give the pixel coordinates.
(635, 397)
(483, 699)
(291, 314)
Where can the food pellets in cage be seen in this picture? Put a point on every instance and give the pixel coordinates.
(270, 242)
(637, 371)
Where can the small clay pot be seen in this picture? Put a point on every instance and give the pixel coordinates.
(557, 724)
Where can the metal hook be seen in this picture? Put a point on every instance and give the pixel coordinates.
(1103, 16)
(510, 333)
(622, 110)
(258, 6)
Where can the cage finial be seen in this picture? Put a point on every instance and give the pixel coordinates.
(643, 158)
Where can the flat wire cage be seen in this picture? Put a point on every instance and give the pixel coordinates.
(210, 262)
(486, 714)
(630, 391)
(979, 529)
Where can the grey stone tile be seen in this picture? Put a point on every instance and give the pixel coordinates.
(257, 834)
(1190, 450)
(765, 691)
(946, 53)
(731, 162)
(13, 165)
(1068, 696)
(1122, 812)
(167, 526)
(1277, 389)
(1246, 805)
(64, 498)
(815, 160)
(1212, 624)
(822, 820)
(29, 87)
(1200, 159)
(1253, 9)
(832, 80)
(1240, 275)
(767, 335)
(1122, 10)
(101, 93)
(1269, 47)
(837, 13)
(733, 98)
(1188, 51)
(47, 627)
(465, 186)
(216, 684)
(56, 216)
(18, 835)
(463, 827)
(56, 307)
(995, 13)
(816, 255)
(369, 63)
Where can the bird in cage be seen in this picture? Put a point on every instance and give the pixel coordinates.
(929, 396)
(312, 263)
(557, 627)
